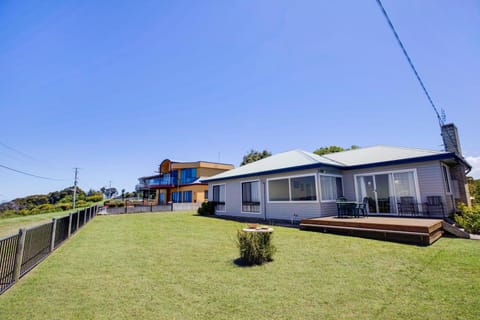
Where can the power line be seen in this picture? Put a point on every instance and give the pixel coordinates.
(17, 151)
(440, 119)
(30, 174)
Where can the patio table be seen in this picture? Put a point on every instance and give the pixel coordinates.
(347, 208)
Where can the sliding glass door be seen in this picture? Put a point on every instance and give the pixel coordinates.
(387, 189)
(378, 191)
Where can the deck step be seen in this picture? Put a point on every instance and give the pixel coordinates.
(455, 231)
(421, 232)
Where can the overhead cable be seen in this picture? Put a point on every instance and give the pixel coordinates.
(440, 119)
(30, 174)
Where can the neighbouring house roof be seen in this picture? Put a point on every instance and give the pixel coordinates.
(353, 159)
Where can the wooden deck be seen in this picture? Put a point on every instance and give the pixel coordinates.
(405, 230)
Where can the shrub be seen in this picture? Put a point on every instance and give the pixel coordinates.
(95, 197)
(64, 206)
(207, 208)
(469, 218)
(45, 208)
(114, 203)
(255, 247)
(81, 204)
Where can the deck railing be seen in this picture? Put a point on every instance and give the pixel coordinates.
(21, 252)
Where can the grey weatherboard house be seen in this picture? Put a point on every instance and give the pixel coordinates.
(295, 185)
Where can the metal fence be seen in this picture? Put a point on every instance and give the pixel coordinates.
(8, 250)
(36, 246)
(21, 252)
(154, 208)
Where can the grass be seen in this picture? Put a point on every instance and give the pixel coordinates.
(10, 225)
(181, 266)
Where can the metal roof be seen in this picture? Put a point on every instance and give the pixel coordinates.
(379, 153)
(299, 159)
(291, 160)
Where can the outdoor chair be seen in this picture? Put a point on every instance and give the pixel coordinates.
(407, 205)
(362, 208)
(434, 205)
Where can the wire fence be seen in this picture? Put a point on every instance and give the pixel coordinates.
(21, 252)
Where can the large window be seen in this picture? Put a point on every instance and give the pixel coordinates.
(292, 189)
(331, 188)
(446, 178)
(177, 196)
(188, 175)
(303, 189)
(278, 190)
(187, 196)
(219, 197)
(251, 196)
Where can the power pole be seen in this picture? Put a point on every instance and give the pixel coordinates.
(75, 187)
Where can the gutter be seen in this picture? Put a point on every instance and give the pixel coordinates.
(345, 167)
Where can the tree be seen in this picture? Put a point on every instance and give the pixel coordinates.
(109, 192)
(332, 149)
(326, 150)
(474, 188)
(254, 155)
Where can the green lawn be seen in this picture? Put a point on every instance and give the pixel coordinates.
(9, 226)
(180, 266)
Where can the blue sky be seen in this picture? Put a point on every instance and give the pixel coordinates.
(115, 87)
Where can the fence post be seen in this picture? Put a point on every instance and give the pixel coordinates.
(19, 254)
(54, 230)
(84, 216)
(69, 225)
(78, 220)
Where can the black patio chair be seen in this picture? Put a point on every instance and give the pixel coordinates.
(407, 205)
(434, 205)
(362, 208)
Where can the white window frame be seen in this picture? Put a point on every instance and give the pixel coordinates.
(225, 205)
(390, 172)
(314, 175)
(448, 185)
(320, 185)
(241, 196)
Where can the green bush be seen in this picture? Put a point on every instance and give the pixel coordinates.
(45, 208)
(64, 206)
(255, 247)
(94, 197)
(207, 208)
(469, 218)
(114, 203)
(81, 204)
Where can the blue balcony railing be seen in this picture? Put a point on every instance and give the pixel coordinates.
(164, 181)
